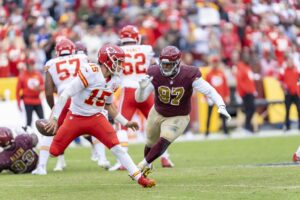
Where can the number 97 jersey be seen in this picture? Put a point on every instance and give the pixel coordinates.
(137, 61)
(64, 68)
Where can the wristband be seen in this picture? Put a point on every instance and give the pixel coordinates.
(121, 119)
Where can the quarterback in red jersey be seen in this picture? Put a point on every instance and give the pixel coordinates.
(173, 84)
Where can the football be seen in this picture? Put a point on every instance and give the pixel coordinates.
(40, 125)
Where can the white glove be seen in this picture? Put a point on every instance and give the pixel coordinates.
(222, 110)
(144, 82)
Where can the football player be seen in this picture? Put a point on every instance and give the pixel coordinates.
(173, 84)
(91, 93)
(60, 71)
(137, 59)
(18, 155)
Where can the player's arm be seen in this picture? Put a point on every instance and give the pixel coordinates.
(205, 88)
(49, 89)
(144, 90)
(75, 86)
(118, 117)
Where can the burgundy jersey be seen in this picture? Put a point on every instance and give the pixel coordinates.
(21, 158)
(173, 95)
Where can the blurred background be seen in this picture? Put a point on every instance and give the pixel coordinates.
(249, 50)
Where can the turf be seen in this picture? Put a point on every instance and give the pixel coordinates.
(225, 169)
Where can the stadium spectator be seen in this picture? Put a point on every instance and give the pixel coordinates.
(30, 85)
(245, 86)
(289, 78)
(217, 79)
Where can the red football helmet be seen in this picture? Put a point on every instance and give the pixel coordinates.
(112, 57)
(169, 60)
(64, 47)
(129, 33)
(80, 48)
(6, 137)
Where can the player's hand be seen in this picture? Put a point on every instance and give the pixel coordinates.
(133, 125)
(222, 110)
(51, 126)
(144, 82)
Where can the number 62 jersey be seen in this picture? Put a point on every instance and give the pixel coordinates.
(137, 61)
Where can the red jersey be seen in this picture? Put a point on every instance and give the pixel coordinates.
(289, 79)
(31, 84)
(217, 79)
(244, 80)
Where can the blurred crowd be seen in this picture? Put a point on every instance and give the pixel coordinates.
(256, 37)
(262, 33)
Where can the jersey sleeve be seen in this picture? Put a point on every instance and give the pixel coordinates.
(86, 74)
(195, 74)
(48, 65)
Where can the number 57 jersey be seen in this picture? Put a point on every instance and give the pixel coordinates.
(137, 61)
(64, 69)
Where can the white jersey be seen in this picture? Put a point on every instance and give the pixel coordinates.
(64, 69)
(137, 61)
(96, 93)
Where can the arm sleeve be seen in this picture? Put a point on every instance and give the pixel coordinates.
(205, 88)
(142, 95)
(75, 86)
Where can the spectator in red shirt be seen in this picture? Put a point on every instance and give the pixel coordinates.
(217, 79)
(30, 85)
(289, 78)
(245, 86)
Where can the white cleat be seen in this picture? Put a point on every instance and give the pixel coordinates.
(104, 164)
(94, 156)
(39, 171)
(60, 164)
(116, 167)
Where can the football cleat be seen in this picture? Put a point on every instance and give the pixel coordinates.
(145, 182)
(296, 158)
(39, 171)
(166, 162)
(104, 164)
(146, 170)
(116, 167)
(60, 164)
(94, 156)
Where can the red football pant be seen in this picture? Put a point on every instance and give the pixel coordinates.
(63, 113)
(75, 126)
(129, 105)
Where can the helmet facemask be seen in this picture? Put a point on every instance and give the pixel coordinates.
(116, 65)
(169, 68)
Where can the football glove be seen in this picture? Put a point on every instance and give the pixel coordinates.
(144, 82)
(222, 110)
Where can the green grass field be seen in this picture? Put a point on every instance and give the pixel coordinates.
(224, 169)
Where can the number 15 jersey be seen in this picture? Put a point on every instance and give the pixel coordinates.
(137, 61)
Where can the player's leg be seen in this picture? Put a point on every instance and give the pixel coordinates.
(171, 128)
(287, 101)
(61, 162)
(104, 132)
(66, 133)
(145, 108)
(210, 108)
(127, 109)
(28, 110)
(43, 156)
(100, 152)
(296, 156)
(39, 111)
